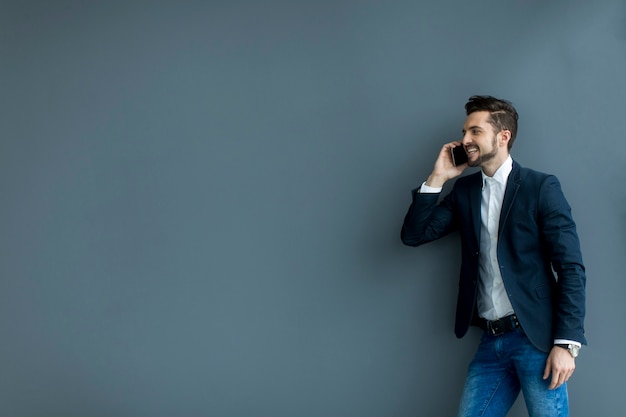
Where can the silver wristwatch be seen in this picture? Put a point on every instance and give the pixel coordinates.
(572, 349)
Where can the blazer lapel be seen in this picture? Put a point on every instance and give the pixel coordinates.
(512, 186)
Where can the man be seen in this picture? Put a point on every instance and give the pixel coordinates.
(522, 277)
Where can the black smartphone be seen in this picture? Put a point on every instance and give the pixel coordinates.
(459, 157)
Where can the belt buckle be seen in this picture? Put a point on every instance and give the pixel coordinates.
(495, 330)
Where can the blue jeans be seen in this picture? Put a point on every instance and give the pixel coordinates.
(503, 366)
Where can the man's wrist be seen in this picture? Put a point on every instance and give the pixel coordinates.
(573, 348)
(435, 181)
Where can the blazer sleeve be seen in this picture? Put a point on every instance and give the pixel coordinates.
(562, 246)
(427, 220)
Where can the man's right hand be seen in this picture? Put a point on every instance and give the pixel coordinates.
(444, 169)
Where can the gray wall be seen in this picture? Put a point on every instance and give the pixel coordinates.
(201, 201)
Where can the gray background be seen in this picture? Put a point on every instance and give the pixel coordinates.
(201, 201)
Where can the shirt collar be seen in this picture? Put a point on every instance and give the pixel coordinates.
(502, 174)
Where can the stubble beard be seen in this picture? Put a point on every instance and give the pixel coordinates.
(482, 158)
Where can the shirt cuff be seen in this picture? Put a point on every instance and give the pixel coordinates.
(429, 190)
(567, 342)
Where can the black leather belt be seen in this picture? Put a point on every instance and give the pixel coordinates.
(504, 325)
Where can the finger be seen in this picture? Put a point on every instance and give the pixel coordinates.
(546, 371)
(554, 382)
(567, 374)
(558, 379)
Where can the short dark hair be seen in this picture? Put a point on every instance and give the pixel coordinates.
(503, 114)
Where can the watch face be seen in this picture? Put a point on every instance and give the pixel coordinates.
(573, 349)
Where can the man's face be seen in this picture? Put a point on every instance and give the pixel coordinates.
(479, 139)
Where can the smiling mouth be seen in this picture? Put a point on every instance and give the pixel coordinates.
(471, 150)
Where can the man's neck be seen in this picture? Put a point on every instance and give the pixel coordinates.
(493, 165)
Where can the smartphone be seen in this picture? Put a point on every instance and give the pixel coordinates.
(459, 157)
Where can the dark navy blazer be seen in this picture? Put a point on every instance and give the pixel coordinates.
(538, 251)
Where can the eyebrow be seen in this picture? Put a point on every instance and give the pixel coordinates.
(471, 128)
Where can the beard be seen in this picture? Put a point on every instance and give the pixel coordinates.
(484, 157)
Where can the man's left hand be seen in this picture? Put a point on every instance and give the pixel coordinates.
(560, 365)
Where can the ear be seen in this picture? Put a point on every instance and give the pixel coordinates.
(504, 137)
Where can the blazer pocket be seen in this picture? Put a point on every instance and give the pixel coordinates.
(543, 291)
